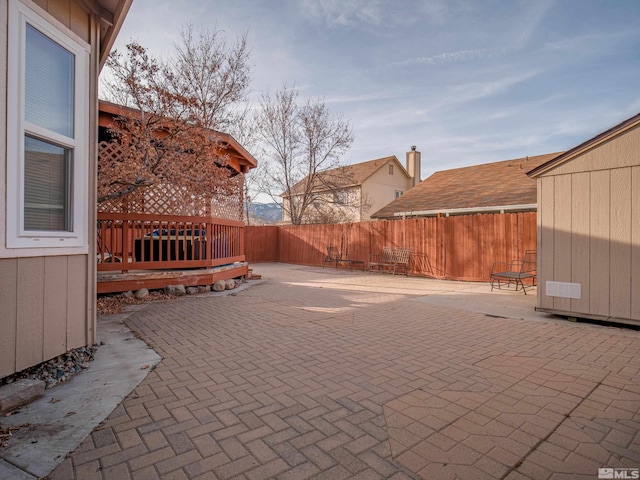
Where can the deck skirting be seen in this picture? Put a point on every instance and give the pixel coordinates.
(110, 282)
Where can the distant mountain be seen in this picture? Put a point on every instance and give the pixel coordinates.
(265, 212)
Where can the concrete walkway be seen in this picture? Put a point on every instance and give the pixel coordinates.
(335, 374)
(61, 419)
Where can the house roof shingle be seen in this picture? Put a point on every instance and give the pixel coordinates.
(348, 175)
(495, 184)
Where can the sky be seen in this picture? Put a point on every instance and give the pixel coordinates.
(465, 81)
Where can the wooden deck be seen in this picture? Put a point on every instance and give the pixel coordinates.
(109, 282)
(137, 251)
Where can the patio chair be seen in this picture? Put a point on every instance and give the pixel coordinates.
(334, 256)
(507, 274)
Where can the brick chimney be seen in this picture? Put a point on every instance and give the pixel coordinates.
(413, 166)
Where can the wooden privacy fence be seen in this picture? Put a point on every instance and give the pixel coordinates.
(455, 248)
(134, 241)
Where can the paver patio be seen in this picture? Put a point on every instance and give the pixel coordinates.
(323, 374)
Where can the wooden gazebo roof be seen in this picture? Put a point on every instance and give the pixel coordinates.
(237, 157)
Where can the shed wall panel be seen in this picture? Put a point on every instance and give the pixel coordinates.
(635, 242)
(580, 213)
(8, 315)
(55, 299)
(619, 152)
(599, 262)
(30, 312)
(620, 246)
(562, 237)
(545, 245)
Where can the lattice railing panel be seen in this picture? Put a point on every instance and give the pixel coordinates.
(165, 199)
(230, 206)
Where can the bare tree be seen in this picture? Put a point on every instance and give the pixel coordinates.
(301, 142)
(212, 74)
(176, 107)
(244, 129)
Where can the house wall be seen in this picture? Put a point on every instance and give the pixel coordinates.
(589, 231)
(380, 188)
(375, 192)
(327, 211)
(47, 303)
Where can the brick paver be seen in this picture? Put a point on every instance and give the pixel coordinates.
(324, 374)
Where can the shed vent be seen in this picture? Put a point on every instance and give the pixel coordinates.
(564, 290)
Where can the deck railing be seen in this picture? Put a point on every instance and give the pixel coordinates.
(132, 241)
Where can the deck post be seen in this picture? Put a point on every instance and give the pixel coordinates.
(125, 243)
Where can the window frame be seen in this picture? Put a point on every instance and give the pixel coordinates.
(56, 242)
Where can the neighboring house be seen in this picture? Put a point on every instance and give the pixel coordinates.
(51, 53)
(165, 199)
(589, 228)
(352, 192)
(488, 188)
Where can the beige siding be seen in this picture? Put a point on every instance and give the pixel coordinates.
(619, 152)
(635, 242)
(562, 236)
(8, 323)
(580, 214)
(620, 243)
(545, 244)
(592, 205)
(375, 192)
(69, 13)
(78, 316)
(55, 298)
(380, 188)
(599, 248)
(44, 309)
(30, 312)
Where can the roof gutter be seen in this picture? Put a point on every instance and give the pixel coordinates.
(460, 211)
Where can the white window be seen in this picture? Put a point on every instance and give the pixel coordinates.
(399, 193)
(47, 135)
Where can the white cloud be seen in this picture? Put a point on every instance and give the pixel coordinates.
(590, 44)
(475, 90)
(380, 13)
(454, 57)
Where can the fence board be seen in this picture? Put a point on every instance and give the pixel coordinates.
(457, 248)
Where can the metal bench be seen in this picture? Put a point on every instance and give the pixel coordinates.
(508, 274)
(391, 260)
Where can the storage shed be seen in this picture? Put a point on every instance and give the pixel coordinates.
(589, 228)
